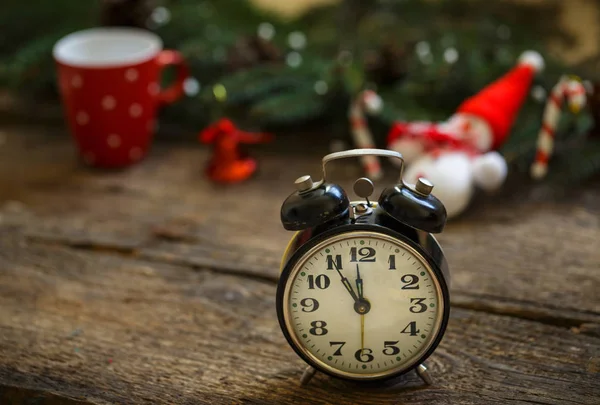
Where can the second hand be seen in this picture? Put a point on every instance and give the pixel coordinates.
(362, 332)
(359, 288)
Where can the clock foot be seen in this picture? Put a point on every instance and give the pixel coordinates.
(424, 374)
(308, 374)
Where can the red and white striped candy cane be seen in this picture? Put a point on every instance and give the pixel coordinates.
(571, 89)
(370, 102)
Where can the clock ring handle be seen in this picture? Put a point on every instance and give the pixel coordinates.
(361, 152)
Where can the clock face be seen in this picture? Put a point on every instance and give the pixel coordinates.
(363, 305)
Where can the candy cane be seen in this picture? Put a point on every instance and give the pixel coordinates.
(367, 101)
(571, 89)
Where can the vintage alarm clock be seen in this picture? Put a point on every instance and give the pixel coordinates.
(363, 291)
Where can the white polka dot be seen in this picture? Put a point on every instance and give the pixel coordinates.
(135, 153)
(114, 141)
(89, 158)
(135, 110)
(76, 82)
(82, 118)
(109, 102)
(153, 88)
(131, 75)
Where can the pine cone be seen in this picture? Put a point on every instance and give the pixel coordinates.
(251, 51)
(126, 13)
(387, 65)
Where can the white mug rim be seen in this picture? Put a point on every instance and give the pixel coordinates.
(154, 46)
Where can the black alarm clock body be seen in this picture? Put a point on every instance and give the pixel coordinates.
(363, 291)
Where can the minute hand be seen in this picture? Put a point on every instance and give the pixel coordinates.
(347, 284)
(359, 284)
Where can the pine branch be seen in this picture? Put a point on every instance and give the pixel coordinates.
(291, 107)
(575, 164)
(248, 86)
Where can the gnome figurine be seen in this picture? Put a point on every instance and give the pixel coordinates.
(459, 154)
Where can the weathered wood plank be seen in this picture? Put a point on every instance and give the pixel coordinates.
(103, 328)
(520, 252)
(22, 395)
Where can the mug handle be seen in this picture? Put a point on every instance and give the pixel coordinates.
(175, 91)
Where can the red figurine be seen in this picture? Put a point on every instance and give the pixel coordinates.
(228, 164)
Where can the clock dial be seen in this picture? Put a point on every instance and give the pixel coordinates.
(363, 305)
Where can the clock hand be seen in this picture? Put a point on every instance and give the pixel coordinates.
(359, 288)
(362, 332)
(346, 284)
(359, 284)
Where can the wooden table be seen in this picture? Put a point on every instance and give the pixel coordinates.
(151, 285)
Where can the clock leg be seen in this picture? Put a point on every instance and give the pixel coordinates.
(308, 374)
(423, 372)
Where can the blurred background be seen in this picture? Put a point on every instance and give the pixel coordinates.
(288, 67)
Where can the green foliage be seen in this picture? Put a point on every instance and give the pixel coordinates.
(28, 35)
(453, 49)
(288, 108)
(248, 86)
(575, 164)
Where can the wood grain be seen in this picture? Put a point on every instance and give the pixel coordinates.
(108, 329)
(151, 285)
(520, 249)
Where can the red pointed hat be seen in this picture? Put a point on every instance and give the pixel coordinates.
(499, 103)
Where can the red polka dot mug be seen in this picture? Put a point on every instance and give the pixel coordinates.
(109, 82)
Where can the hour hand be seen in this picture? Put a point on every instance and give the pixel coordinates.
(349, 288)
(347, 284)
